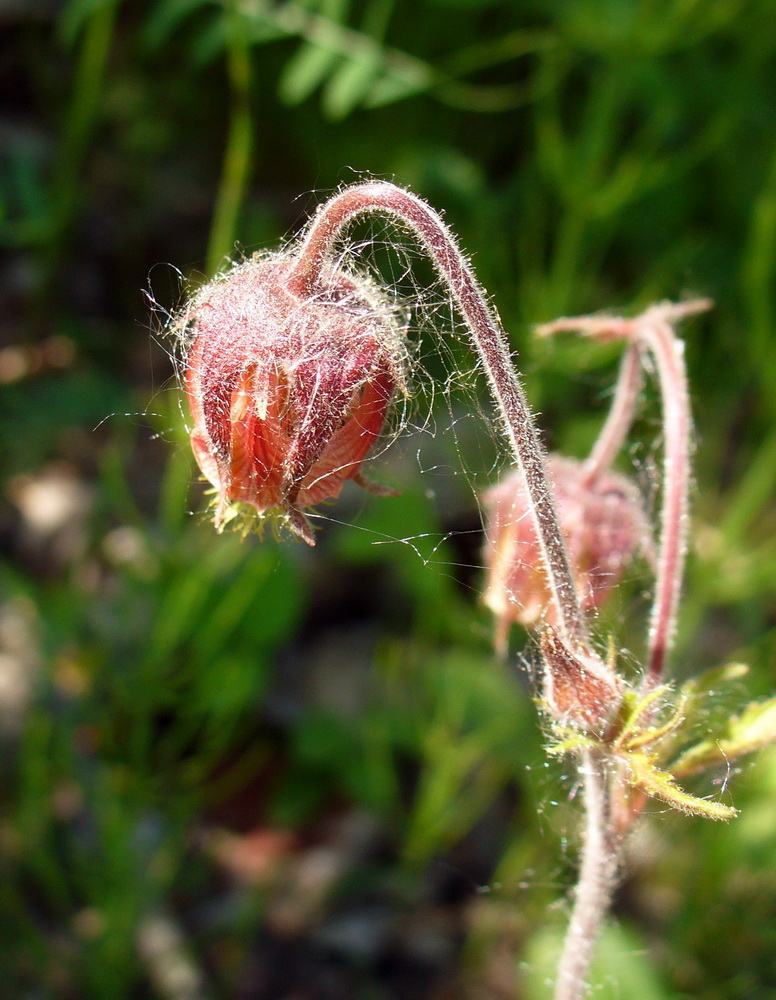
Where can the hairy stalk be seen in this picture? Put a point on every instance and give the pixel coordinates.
(607, 818)
(489, 340)
(597, 879)
(668, 352)
(620, 418)
(654, 330)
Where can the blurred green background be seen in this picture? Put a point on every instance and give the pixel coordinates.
(244, 769)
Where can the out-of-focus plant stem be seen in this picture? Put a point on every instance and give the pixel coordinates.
(654, 331)
(593, 892)
(78, 127)
(236, 164)
(615, 430)
(668, 353)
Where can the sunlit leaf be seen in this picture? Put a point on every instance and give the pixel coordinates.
(312, 62)
(661, 785)
(350, 85)
(305, 72)
(748, 732)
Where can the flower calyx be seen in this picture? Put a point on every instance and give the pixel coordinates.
(645, 745)
(604, 527)
(580, 689)
(288, 392)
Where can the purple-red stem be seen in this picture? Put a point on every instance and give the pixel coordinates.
(601, 846)
(597, 879)
(489, 340)
(654, 331)
(668, 351)
(620, 418)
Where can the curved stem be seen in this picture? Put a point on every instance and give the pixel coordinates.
(593, 892)
(654, 329)
(668, 352)
(620, 418)
(489, 341)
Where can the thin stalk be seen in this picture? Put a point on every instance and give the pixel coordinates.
(593, 892)
(236, 165)
(668, 353)
(618, 422)
(489, 341)
(654, 330)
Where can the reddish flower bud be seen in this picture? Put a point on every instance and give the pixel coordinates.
(287, 393)
(579, 688)
(603, 525)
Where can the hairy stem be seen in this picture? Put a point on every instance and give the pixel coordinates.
(654, 330)
(620, 418)
(593, 892)
(489, 340)
(658, 336)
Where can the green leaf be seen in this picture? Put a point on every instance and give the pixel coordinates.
(621, 968)
(755, 488)
(699, 697)
(712, 680)
(752, 730)
(570, 744)
(166, 18)
(184, 606)
(636, 707)
(314, 59)
(351, 84)
(75, 16)
(398, 84)
(661, 785)
(231, 605)
(304, 72)
(656, 733)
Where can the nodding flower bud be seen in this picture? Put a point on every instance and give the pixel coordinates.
(287, 391)
(580, 689)
(603, 525)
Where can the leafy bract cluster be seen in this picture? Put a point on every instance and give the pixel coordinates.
(653, 741)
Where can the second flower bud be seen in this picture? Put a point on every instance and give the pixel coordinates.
(603, 524)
